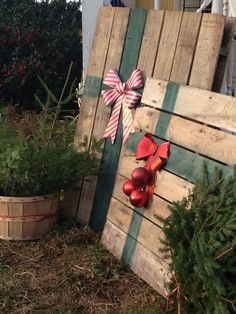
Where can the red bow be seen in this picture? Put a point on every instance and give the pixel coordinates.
(155, 154)
(121, 95)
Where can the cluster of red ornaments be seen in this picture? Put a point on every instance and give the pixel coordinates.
(140, 188)
(136, 188)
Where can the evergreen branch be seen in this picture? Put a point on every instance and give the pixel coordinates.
(227, 251)
(231, 302)
(60, 100)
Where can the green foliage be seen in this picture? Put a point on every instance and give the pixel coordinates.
(201, 239)
(37, 38)
(37, 155)
(33, 168)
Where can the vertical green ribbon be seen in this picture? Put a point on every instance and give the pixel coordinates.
(112, 152)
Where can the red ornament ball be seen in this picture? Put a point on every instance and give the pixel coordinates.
(140, 176)
(138, 198)
(129, 186)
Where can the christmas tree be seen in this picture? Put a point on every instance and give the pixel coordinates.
(200, 238)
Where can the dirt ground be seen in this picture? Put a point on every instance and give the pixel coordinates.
(69, 271)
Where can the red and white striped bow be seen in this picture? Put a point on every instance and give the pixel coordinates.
(122, 95)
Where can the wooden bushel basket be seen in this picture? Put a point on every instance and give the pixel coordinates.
(27, 218)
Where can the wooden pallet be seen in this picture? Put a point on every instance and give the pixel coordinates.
(176, 46)
(201, 127)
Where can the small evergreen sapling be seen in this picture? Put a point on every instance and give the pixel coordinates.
(200, 237)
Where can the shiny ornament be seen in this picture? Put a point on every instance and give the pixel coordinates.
(140, 176)
(139, 198)
(129, 186)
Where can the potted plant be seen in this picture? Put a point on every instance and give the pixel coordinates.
(37, 161)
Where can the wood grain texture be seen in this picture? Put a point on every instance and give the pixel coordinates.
(27, 218)
(185, 49)
(200, 105)
(224, 52)
(149, 234)
(167, 45)
(207, 51)
(194, 136)
(144, 263)
(95, 72)
(150, 42)
(70, 201)
(102, 114)
(96, 68)
(86, 199)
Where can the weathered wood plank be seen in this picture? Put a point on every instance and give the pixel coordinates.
(71, 200)
(150, 42)
(207, 51)
(194, 136)
(167, 45)
(224, 52)
(93, 83)
(96, 69)
(144, 263)
(102, 114)
(200, 105)
(185, 50)
(86, 199)
(149, 234)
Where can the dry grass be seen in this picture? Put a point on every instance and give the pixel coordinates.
(69, 271)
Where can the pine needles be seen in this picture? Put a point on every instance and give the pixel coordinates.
(201, 239)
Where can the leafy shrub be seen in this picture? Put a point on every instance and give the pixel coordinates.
(37, 155)
(201, 240)
(37, 38)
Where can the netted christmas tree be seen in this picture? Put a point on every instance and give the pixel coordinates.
(201, 240)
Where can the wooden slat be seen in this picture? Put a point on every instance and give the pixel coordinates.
(185, 50)
(101, 119)
(151, 38)
(144, 263)
(120, 214)
(93, 83)
(96, 69)
(149, 235)
(194, 136)
(196, 104)
(207, 51)
(167, 45)
(70, 201)
(224, 53)
(86, 199)
(169, 186)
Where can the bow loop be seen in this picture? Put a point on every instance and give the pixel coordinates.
(111, 79)
(122, 95)
(155, 154)
(136, 80)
